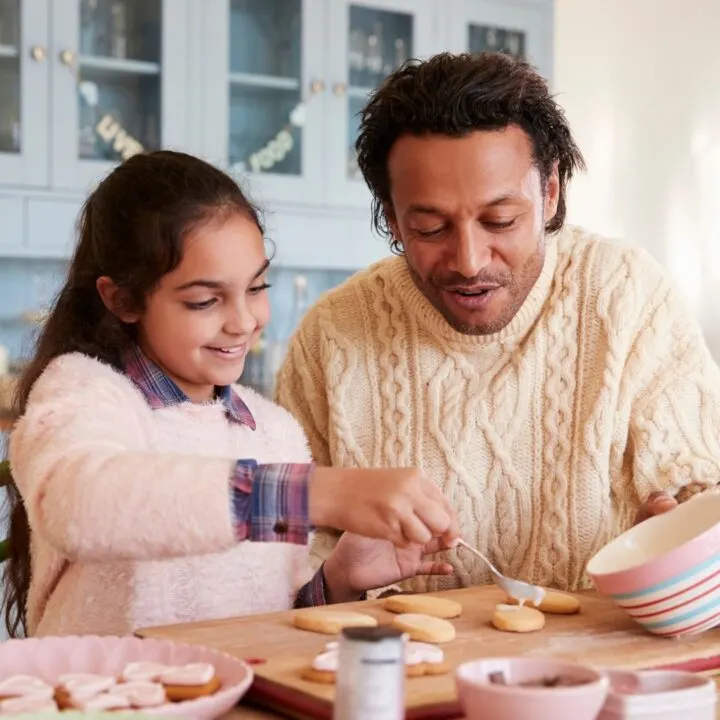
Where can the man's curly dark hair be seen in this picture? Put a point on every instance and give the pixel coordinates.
(456, 95)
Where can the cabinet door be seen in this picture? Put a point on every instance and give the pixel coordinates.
(368, 39)
(118, 85)
(521, 28)
(23, 92)
(263, 95)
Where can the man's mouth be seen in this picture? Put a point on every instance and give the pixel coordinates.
(471, 298)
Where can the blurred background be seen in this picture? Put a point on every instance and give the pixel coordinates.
(270, 90)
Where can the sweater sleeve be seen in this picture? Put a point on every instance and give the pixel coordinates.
(674, 437)
(300, 389)
(93, 490)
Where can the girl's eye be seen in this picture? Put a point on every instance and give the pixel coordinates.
(259, 288)
(200, 305)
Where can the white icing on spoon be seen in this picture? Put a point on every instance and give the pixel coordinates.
(516, 589)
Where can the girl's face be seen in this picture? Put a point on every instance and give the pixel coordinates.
(205, 315)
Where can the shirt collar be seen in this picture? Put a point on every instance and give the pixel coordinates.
(160, 391)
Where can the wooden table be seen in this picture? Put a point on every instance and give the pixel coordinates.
(614, 640)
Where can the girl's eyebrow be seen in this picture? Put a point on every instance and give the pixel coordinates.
(210, 284)
(218, 284)
(262, 269)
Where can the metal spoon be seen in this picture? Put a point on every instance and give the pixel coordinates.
(522, 592)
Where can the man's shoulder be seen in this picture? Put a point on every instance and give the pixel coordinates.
(599, 264)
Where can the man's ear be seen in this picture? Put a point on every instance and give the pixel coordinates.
(552, 194)
(115, 300)
(392, 223)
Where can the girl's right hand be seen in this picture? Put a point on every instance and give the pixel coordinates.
(399, 505)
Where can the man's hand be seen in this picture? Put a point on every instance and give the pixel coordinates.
(657, 504)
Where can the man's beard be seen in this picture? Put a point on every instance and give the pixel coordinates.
(516, 285)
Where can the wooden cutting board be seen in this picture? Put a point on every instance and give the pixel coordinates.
(600, 635)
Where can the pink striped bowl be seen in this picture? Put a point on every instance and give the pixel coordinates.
(665, 572)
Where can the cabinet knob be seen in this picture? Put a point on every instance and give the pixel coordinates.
(38, 53)
(68, 57)
(339, 89)
(316, 87)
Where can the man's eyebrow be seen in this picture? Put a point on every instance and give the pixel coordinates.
(505, 198)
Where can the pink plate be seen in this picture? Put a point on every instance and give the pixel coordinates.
(48, 658)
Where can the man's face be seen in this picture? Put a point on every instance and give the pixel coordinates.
(470, 213)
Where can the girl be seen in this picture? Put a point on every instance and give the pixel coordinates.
(141, 473)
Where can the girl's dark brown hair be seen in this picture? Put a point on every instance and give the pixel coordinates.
(456, 95)
(131, 229)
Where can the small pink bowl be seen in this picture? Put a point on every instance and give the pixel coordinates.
(481, 699)
(660, 695)
(665, 572)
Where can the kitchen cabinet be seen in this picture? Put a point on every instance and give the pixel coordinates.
(119, 84)
(522, 29)
(24, 92)
(270, 90)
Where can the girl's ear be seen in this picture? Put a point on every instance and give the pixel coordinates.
(116, 300)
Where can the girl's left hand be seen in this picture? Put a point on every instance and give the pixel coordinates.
(359, 564)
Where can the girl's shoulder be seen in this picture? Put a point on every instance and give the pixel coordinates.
(78, 378)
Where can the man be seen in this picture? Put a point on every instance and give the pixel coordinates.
(551, 382)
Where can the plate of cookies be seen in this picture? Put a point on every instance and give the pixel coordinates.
(94, 674)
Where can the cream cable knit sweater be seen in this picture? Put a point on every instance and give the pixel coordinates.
(548, 435)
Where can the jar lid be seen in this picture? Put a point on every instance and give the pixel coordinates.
(372, 634)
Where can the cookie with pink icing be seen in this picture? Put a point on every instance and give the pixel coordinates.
(143, 671)
(84, 685)
(25, 686)
(28, 704)
(104, 701)
(420, 659)
(191, 681)
(142, 694)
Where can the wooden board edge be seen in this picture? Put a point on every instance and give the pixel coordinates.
(301, 706)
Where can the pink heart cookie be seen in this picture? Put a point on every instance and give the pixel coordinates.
(189, 675)
(85, 685)
(25, 686)
(142, 694)
(29, 704)
(144, 671)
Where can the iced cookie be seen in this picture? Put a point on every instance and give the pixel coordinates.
(188, 682)
(76, 689)
(512, 618)
(554, 603)
(331, 622)
(142, 694)
(425, 628)
(143, 671)
(28, 704)
(106, 701)
(423, 604)
(25, 686)
(420, 659)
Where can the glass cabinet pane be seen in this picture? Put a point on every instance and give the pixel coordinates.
(10, 76)
(486, 37)
(266, 105)
(379, 42)
(119, 78)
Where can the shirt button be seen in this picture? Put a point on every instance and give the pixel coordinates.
(280, 527)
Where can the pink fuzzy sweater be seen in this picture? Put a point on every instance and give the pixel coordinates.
(129, 506)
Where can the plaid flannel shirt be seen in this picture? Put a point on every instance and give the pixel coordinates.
(268, 503)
